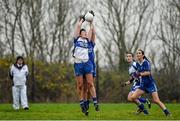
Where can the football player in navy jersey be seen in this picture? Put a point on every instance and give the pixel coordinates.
(135, 81)
(87, 94)
(147, 83)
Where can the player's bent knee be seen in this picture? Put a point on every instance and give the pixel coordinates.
(133, 97)
(129, 99)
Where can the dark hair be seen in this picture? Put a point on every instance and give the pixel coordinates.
(144, 55)
(130, 53)
(81, 31)
(20, 57)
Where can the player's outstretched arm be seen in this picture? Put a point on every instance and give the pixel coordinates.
(78, 27)
(93, 35)
(127, 82)
(90, 31)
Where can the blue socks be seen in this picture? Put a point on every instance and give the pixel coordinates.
(166, 112)
(86, 103)
(94, 100)
(141, 106)
(81, 102)
(142, 100)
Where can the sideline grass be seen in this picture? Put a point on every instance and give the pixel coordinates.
(59, 111)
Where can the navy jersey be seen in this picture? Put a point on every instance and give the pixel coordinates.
(91, 45)
(145, 66)
(91, 50)
(147, 83)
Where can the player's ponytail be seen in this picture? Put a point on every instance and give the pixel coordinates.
(146, 58)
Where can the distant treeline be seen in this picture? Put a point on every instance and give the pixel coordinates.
(55, 82)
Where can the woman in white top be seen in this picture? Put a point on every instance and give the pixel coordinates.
(19, 74)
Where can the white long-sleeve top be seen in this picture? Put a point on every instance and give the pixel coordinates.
(19, 74)
(132, 68)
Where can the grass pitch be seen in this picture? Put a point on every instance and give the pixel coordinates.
(59, 111)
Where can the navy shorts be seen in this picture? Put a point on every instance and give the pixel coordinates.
(148, 87)
(94, 69)
(83, 68)
(133, 88)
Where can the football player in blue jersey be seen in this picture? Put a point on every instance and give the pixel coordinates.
(135, 81)
(82, 63)
(91, 57)
(147, 83)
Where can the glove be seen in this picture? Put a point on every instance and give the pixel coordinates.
(92, 12)
(123, 84)
(10, 75)
(82, 17)
(136, 75)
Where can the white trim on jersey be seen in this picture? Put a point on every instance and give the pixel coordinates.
(81, 54)
(131, 68)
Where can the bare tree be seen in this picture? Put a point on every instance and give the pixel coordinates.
(2, 45)
(60, 23)
(126, 26)
(171, 19)
(168, 32)
(11, 11)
